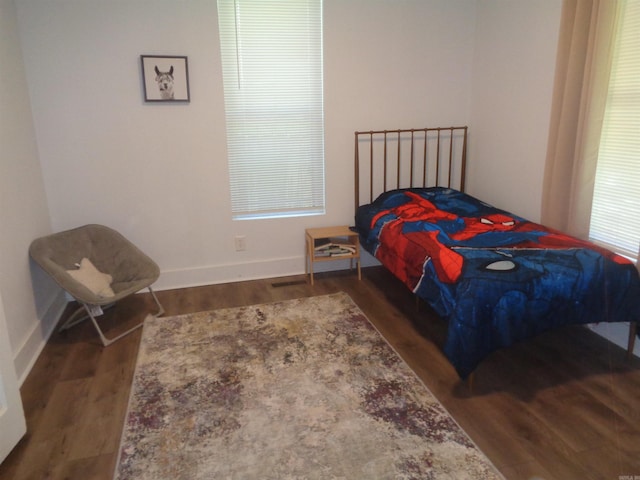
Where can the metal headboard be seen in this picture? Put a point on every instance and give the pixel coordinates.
(416, 157)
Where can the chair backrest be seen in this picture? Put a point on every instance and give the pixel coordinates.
(108, 250)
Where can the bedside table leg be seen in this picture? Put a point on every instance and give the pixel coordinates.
(308, 264)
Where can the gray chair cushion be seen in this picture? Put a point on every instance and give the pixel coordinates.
(108, 250)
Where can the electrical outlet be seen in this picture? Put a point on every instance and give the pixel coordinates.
(241, 243)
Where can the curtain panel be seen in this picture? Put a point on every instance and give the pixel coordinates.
(583, 64)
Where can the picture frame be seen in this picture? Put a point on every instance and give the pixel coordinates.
(165, 78)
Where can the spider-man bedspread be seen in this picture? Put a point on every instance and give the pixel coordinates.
(497, 278)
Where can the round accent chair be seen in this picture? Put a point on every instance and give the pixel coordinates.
(97, 266)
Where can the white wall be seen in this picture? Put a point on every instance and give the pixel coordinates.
(23, 208)
(158, 172)
(513, 70)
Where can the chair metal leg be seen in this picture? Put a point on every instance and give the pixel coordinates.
(108, 341)
(160, 311)
(86, 309)
(79, 316)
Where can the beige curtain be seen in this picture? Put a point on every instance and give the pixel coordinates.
(583, 63)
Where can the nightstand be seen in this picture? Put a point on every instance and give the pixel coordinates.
(330, 244)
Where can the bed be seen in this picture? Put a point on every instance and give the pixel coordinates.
(496, 277)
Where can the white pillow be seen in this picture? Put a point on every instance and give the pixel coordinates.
(96, 281)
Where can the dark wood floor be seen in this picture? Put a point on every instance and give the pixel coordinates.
(564, 406)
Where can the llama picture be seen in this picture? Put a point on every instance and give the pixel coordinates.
(165, 78)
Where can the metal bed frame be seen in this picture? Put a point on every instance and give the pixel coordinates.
(416, 157)
(420, 158)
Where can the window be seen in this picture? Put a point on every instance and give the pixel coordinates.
(615, 217)
(272, 72)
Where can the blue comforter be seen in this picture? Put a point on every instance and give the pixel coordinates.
(496, 277)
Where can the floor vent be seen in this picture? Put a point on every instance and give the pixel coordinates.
(288, 284)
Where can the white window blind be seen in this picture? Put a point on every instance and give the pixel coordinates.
(615, 217)
(272, 71)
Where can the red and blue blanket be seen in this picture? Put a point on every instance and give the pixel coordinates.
(496, 277)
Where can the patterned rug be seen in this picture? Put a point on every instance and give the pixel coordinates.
(302, 389)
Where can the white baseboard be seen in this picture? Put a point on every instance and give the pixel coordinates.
(236, 272)
(28, 353)
(233, 272)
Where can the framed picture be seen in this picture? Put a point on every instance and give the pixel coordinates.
(165, 78)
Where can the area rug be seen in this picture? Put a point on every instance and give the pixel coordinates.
(301, 389)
